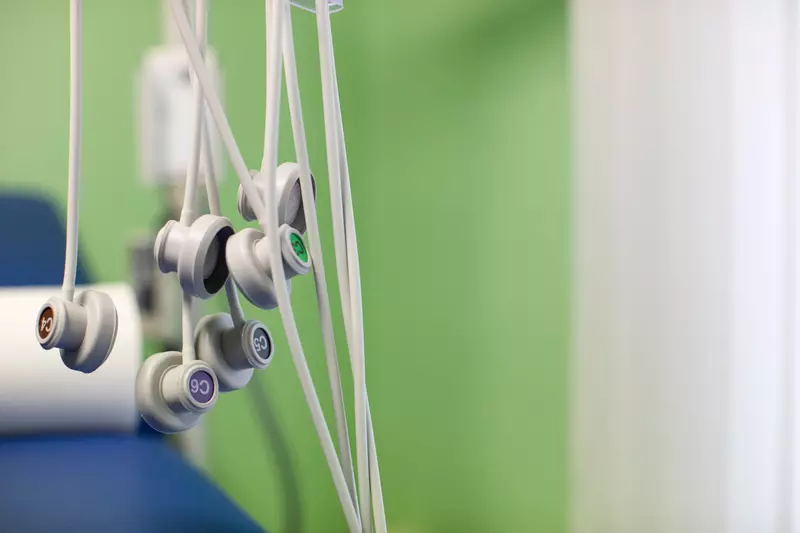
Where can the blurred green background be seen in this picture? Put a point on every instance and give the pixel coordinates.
(457, 120)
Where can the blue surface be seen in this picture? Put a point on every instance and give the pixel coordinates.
(108, 484)
(91, 484)
(32, 234)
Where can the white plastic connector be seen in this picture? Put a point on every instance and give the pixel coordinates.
(291, 209)
(196, 253)
(84, 331)
(248, 258)
(233, 351)
(172, 396)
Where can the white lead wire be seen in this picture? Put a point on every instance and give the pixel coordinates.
(268, 223)
(269, 167)
(375, 478)
(352, 304)
(74, 164)
(212, 193)
(349, 280)
(315, 249)
(358, 316)
(212, 187)
(188, 210)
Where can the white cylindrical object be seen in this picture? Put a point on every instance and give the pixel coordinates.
(683, 393)
(38, 394)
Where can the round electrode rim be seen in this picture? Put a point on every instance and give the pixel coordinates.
(159, 247)
(203, 233)
(187, 399)
(57, 309)
(150, 402)
(294, 250)
(102, 323)
(251, 341)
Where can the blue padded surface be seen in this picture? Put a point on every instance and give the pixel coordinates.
(118, 484)
(32, 242)
(91, 484)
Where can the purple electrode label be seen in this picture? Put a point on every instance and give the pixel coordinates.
(261, 343)
(201, 387)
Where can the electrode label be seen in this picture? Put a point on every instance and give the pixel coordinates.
(201, 387)
(261, 343)
(299, 247)
(45, 325)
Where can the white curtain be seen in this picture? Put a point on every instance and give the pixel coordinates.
(685, 409)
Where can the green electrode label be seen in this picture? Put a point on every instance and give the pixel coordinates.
(299, 247)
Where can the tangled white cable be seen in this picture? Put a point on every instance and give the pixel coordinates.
(348, 269)
(266, 212)
(174, 389)
(84, 326)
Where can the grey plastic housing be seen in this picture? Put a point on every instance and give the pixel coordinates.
(233, 352)
(162, 392)
(83, 330)
(196, 253)
(291, 209)
(248, 260)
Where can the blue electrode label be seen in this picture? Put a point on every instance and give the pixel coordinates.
(261, 343)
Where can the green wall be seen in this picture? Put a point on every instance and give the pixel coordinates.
(457, 122)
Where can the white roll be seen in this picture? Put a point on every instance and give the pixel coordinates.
(38, 394)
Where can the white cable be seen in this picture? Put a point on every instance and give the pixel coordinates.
(354, 271)
(190, 190)
(74, 172)
(348, 274)
(268, 24)
(267, 224)
(269, 166)
(212, 193)
(315, 250)
(375, 478)
(353, 308)
(212, 187)
(187, 329)
(188, 210)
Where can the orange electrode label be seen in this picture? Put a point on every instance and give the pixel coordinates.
(46, 322)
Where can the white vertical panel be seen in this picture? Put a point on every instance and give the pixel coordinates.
(791, 486)
(760, 179)
(682, 265)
